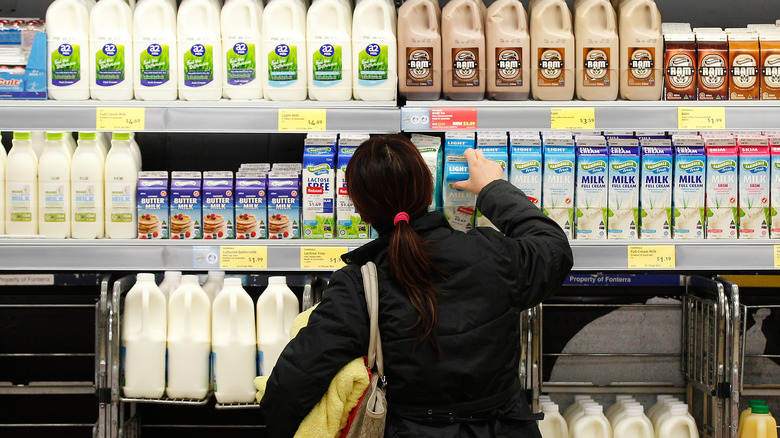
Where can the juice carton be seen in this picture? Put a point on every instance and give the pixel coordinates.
(774, 144)
(591, 189)
(284, 205)
(319, 178)
(525, 168)
(655, 190)
(623, 190)
(754, 183)
(688, 193)
(459, 205)
(153, 207)
(251, 205)
(558, 183)
(433, 155)
(349, 224)
(186, 207)
(218, 205)
(721, 188)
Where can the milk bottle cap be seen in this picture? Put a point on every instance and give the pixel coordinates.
(593, 409)
(120, 136)
(87, 135)
(20, 135)
(662, 397)
(754, 403)
(550, 408)
(277, 280)
(232, 282)
(190, 279)
(56, 136)
(679, 409)
(217, 274)
(144, 277)
(760, 409)
(634, 411)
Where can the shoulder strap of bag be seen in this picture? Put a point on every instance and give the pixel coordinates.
(371, 287)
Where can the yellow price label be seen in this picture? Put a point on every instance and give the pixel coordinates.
(302, 120)
(573, 118)
(243, 257)
(120, 119)
(701, 118)
(322, 257)
(777, 256)
(651, 257)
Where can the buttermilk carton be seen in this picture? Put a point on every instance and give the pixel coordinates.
(251, 205)
(558, 182)
(655, 189)
(284, 204)
(186, 207)
(153, 206)
(754, 183)
(525, 166)
(689, 188)
(774, 145)
(494, 146)
(319, 178)
(623, 189)
(349, 224)
(218, 205)
(721, 188)
(591, 189)
(433, 155)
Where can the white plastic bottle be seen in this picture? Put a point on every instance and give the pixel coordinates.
(659, 404)
(155, 50)
(104, 141)
(579, 413)
(2, 186)
(677, 424)
(171, 282)
(67, 32)
(233, 344)
(579, 399)
(214, 284)
(553, 425)
(111, 51)
(619, 414)
(189, 341)
(38, 140)
(200, 50)
(284, 62)
(634, 424)
(329, 47)
(374, 51)
(121, 179)
(663, 410)
(87, 198)
(21, 187)
(143, 339)
(277, 307)
(70, 143)
(136, 151)
(242, 48)
(54, 188)
(617, 406)
(593, 424)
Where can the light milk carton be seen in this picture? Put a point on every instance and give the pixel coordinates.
(284, 205)
(455, 143)
(319, 178)
(153, 207)
(623, 188)
(689, 188)
(459, 205)
(218, 206)
(349, 224)
(591, 189)
(655, 190)
(433, 155)
(721, 189)
(494, 146)
(774, 143)
(186, 207)
(251, 206)
(754, 183)
(558, 183)
(525, 168)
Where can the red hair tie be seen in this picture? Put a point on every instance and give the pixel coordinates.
(400, 217)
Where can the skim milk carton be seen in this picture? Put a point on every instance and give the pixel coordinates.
(591, 189)
(251, 206)
(459, 205)
(689, 188)
(319, 178)
(494, 146)
(754, 215)
(349, 224)
(433, 155)
(284, 204)
(623, 188)
(218, 206)
(186, 207)
(774, 144)
(558, 182)
(525, 167)
(655, 190)
(721, 188)
(153, 207)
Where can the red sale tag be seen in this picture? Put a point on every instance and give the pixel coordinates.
(453, 119)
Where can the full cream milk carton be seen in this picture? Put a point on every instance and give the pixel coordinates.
(433, 154)
(655, 189)
(650, 135)
(494, 146)
(623, 188)
(186, 207)
(688, 193)
(153, 207)
(218, 206)
(609, 135)
(525, 167)
(754, 183)
(349, 224)
(251, 205)
(591, 189)
(319, 178)
(558, 182)
(721, 188)
(284, 204)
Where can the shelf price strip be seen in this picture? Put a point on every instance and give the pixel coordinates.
(652, 257)
(302, 120)
(573, 118)
(322, 257)
(120, 119)
(243, 257)
(701, 118)
(777, 256)
(453, 119)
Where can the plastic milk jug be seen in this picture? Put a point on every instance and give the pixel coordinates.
(508, 51)
(663, 411)
(579, 399)
(283, 58)
(617, 406)
(189, 341)
(634, 424)
(553, 425)
(552, 51)
(596, 50)
(759, 424)
(86, 188)
(419, 50)
(374, 51)
(463, 51)
(111, 51)
(21, 187)
(121, 179)
(641, 51)
(329, 50)
(579, 413)
(155, 51)
(677, 424)
(2, 187)
(659, 404)
(171, 282)
(591, 425)
(277, 307)
(213, 284)
(200, 50)
(143, 339)
(241, 49)
(67, 31)
(748, 411)
(54, 188)
(621, 413)
(233, 344)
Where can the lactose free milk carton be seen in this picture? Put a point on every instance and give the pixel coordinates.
(349, 224)
(591, 189)
(284, 205)
(494, 146)
(754, 183)
(689, 189)
(623, 188)
(319, 178)
(251, 205)
(774, 144)
(558, 182)
(655, 190)
(721, 194)
(186, 207)
(218, 205)
(153, 206)
(525, 167)
(433, 155)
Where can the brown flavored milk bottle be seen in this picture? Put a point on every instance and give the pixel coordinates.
(596, 50)
(552, 51)
(508, 47)
(419, 50)
(680, 66)
(744, 58)
(770, 66)
(713, 62)
(463, 51)
(641, 50)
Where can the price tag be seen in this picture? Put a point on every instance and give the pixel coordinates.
(701, 118)
(302, 120)
(322, 258)
(243, 257)
(453, 119)
(120, 119)
(777, 256)
(573, 118)
(651, 257)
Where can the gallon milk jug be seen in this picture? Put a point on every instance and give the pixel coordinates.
(86, 189)
(38, 140)
(54, 188)
(751, 404)
(200, 50)
(759, 424)
(189, 341)
(641, 51)
(374, 51)
(579, 399)
(143, 339)
(242, 42)
(596, 49)
(552, 51)
(329, 50)
(121, 182)
(214, 283)
(2, 186)
(277, 307)
(508, 51)
(634, 423)
(171, 282)
(579, 413)
(620, 413)
(283, 60)
(67, 32)
(463, 51)
(419, 50)
(233, 344)
(553, 425)
(677, 424)
(659, 404)
(21, 187)
(111, 51)
(156, 51)
(593, 424)
(617, 406)
(664, 411)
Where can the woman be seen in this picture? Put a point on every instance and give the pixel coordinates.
(449, 303)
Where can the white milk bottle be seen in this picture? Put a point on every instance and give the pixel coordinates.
(579, 399)
(659, 404)
(200, 50)
(54, 188)
(463, 51)
(189, 341)
(155, 50)
(2, 186)
(67, 31)
(143, 339)
(508, 51)
(677, 424)
(283, 62)
(242, 42)
(86, 185)
(136, 151)
(579, 413)
(329, 50)
(38, 140)
(419, 50)
(171, 282)
(111, 51)
(593, 424)
(121, 179)
(277, 307)
(233, 344)
(374, 51)
(634, 424)
(663, 410)
(597, 50)
(213, 284)
(89, 4)
(553, 425)
(552, 51)
(617, 406)
(620, 413)
(21, 187)
(70, 143)
(641, 51)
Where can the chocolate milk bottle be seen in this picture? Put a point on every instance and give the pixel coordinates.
(641, 50)
(713, 62)
(596, 49)
(680, 66)
(744, 57)
(419, 50)
(463, 51)
(770, 66)
(552, 51)
(508, 47)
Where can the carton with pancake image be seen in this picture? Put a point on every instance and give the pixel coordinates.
(655, 190)
(318, 180)
(153, 208)
(251, 207)
(284, 205)
(186, 207)
(218, 207)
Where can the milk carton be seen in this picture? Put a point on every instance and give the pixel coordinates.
(153, 207)
(525, 167)
(284, 205)
(721, 188)
(558, 183)
(655, 189)
(319, 178)
(349, 224)
(609, 135)
(251, 206)
(218, 206)
(688, 193)
(455, 143)
(186, 207)
(493, 146)
(433, 155)
(774, 144)
(591, 189)
(754, 214)
(459, 205)
(650, 135)
(623, 197)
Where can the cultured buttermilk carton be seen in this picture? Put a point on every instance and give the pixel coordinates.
(218, 206)
(688, 193)
(655, 190)
(251, 206)
(525, 166)
(319, 174)
(623, 197)
(433, 155)
(153, 207)
(186, 207)
(721, 189)
(754, 215)
(459, 205)
(349, 224)
(494, 146)
(558, 182)
(774, 143)
(591, 189)
(284, 204)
